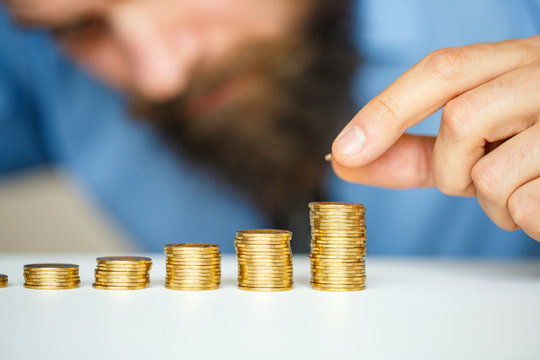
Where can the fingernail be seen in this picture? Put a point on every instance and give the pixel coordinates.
(351, 142)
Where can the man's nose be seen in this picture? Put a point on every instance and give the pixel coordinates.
(161, 56)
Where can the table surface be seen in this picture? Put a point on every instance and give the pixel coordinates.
(412, 309)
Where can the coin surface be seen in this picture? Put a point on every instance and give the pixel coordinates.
(122, 272)
(51, 276)
(3, 280)
(338, 246)
(192, 266)
(264, 259)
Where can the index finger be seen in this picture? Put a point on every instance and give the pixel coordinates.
(421, 91)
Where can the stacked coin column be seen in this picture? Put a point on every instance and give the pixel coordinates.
(51, 276)
(264, 260)
(338, 246)
(3, 281)
(122, 273)
(192, 266)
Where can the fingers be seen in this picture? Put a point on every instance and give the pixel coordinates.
(505, 169)
(425, 88)
(524, 205)
(406, 164)
(489, 113)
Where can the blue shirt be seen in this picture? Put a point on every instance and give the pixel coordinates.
(51, 112)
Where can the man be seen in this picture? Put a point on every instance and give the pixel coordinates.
(156, 50)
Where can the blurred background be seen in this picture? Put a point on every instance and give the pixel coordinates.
(42, 210)
(128, 125)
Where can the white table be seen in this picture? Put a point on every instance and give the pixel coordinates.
(413, 309)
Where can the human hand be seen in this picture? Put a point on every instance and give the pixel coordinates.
(488, 144)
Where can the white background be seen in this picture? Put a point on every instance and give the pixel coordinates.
(412, 309)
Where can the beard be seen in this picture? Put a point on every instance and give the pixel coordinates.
(269, 141)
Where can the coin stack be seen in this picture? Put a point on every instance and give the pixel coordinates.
(264, 260)
(3, 280)
(338, 246)
(51, 276)
(122, 272)
(192, 266)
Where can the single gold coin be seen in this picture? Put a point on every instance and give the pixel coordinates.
(191, 288)
(51, 287)
(51, 266)
(192, 246)
(266, 289)
(107, 287)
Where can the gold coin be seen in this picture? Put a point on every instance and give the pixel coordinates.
(263, 279)
(107, 287)
(125, 264)
(51, 266)
(194, 263)
(51, 270)
(263, 267)
(122, 272)
(52, 284)
(251, 288)
(262, 254)
(192, 283)
(193, 278)
(197, 258)
(51, 275)
(199, 272)
(192, 246)
(328, 204)
(121, 285)
(265, 232)
(191, 288)
(122, 259)
(120, 279)
(49, 287)
(178, 253)
(337, 288)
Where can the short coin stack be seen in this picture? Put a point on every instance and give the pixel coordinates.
(122, 272)
(51, 276)
(338, 246)
(3, 280)
(192, 266)
(264, 260)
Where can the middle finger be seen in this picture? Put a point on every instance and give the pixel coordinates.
(489, 113)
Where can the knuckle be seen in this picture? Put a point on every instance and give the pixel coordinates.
(486, 179)
(456, 118)
(445, 62)
(449, 188)
(525, 210)
(387, 108)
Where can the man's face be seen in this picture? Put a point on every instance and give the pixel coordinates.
(253, 88)
(160, 48)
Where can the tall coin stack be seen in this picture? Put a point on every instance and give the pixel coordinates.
(338, 246)
(264, 260)
(3, 280)
(122, 272)
(51, 276)
(192, 266)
